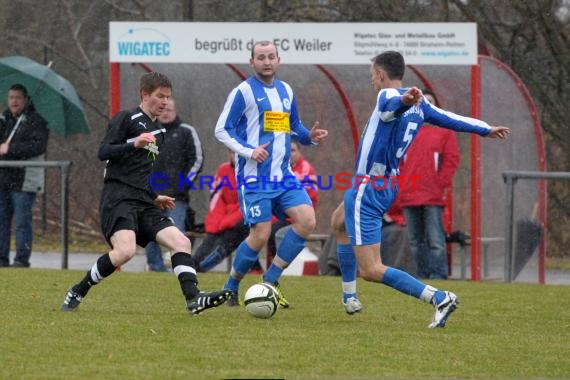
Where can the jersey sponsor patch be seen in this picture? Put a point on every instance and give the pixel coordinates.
(276, 122)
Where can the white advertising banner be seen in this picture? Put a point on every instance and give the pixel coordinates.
(298, 43)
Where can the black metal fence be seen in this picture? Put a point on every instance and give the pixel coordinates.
(511, 178)
(64, 167)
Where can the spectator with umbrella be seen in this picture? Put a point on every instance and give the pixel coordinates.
(54, 97)
(23, 136)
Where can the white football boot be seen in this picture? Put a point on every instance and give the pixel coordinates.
(352, 305)
(443, 310)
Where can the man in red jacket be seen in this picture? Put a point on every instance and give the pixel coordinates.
(434, 158)
(224, 222)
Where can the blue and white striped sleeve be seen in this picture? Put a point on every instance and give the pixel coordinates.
(390, 104)
(436, 116)
(226, 127)
(298, 130)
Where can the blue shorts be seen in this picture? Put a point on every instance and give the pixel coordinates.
(364, 208)
(258, 202)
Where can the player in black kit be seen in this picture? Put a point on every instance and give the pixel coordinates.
(131, 212)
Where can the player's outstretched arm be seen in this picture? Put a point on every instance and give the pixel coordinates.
(499, 132)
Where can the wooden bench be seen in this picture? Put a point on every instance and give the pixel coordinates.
(485, 242)
(318, 237)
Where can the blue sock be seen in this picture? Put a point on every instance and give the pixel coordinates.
(346, 262)
(439, 296)
(243, 262)
(348, 267)
(232, 284)
(289, 248)
(403, 282)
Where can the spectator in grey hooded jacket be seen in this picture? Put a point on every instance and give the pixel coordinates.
(23, 136)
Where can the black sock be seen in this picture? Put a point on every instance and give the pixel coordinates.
(184, 267)
(101, 269)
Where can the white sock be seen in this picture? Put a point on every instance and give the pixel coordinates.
(428, 293)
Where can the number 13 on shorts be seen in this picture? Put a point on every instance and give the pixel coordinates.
(255, 211)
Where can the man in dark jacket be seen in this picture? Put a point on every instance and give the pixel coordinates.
(23, 136)
(181, 155)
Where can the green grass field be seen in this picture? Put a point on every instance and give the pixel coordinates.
(134, 325)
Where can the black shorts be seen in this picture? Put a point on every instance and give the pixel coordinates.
(125, 208)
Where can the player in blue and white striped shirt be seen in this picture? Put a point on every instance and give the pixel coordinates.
(259, 118)
(393, 125)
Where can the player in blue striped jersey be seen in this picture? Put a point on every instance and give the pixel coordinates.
(258, 121)
(393, 125)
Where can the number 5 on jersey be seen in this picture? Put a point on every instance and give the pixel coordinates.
(408, 137)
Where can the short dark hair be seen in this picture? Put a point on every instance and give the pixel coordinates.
(263, 43)
(392, 62)
(19, 87)
(295, 140)
(429, 91)
(153, 80)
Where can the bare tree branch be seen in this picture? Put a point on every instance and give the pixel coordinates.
(75, 27)
(117, 7)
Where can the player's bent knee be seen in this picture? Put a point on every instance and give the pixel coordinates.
(338, 228)
(306, 226)
(337, 219)
(257, 241)
(260, 232)
(369, 274)
(181, 244)
(122, 255)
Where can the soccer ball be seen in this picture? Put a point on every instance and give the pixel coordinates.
(261, 301)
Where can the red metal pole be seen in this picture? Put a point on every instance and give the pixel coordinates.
(114, 88)
(346, 103)
(541, 152)
(236, 70)
(475, 177)
(114, 95)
